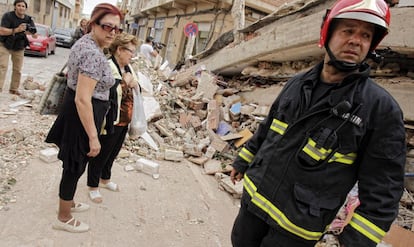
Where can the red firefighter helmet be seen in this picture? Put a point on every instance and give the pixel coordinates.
(373, 11)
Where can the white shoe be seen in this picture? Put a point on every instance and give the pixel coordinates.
(66, 226)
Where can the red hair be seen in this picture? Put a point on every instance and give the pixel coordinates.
(100, 11)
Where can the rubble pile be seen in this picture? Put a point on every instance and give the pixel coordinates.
(201, 118)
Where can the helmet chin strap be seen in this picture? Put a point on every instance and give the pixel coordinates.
(341, 65)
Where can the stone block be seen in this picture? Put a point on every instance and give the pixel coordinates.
(49, 155)
(173, 155)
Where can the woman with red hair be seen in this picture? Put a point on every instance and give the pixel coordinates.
(77, 128)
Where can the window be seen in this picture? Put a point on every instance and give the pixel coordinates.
(158, 26)
(141, 33)
(202, 37)
(170, 46)
(36, 6)
(48, 7)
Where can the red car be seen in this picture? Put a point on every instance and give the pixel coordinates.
(44, 44)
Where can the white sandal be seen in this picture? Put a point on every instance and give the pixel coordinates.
(110, 186)
(95, 196)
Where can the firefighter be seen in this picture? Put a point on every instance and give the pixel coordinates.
(330, 128)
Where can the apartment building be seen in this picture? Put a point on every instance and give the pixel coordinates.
(190, 24)
(55, 13)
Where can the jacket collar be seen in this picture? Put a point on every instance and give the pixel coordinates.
(312, 77)
(345, 90)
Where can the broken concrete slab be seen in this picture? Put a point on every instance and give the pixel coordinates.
(207, 85)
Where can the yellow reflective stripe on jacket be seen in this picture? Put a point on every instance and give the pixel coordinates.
(278, 126)
(246, 155)
(367, 228)
(343, 158)
(321, 154)
(276, 214)
(314, 152)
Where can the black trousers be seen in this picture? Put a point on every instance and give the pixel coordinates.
(100, 167)
(69, 182)
(251, 231)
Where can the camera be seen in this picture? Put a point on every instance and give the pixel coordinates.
(157, 45)
(30, 28)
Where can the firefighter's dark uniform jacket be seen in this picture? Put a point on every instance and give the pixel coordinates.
(304, 159)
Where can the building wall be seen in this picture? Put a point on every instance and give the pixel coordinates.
(145, 17)
(212, 19)
(5, 6)
(77, 12)
(41, 11)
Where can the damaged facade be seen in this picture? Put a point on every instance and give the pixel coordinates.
(166, 21)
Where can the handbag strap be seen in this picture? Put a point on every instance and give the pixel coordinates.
(63, 68)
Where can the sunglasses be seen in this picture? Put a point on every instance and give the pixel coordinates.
(109, 28)
(129, 50)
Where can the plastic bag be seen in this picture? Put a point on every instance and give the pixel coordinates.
(138, 124)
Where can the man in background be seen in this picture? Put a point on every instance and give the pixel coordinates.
(14, 26)
(147, 50)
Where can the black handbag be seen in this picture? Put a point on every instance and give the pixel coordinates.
(52, 98)
(16, 42)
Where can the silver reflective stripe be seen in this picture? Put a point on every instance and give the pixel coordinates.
(246, 155)
(278, 126)
(277, 215)
(367, 228)
(316, 153)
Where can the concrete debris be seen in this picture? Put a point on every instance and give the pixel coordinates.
(225, 184)
(19, 103)
(30, 84)
(49, 155)
(148, 167)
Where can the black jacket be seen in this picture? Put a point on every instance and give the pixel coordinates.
(304, 159)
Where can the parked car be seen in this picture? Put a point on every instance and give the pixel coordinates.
(64, 37)
(44, 44)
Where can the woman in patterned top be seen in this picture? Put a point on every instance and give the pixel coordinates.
(122, 50)
(76, 129)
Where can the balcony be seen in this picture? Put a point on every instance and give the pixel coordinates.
(163, 6)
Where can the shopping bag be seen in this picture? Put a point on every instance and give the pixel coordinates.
(138, 125)
(52, 98)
